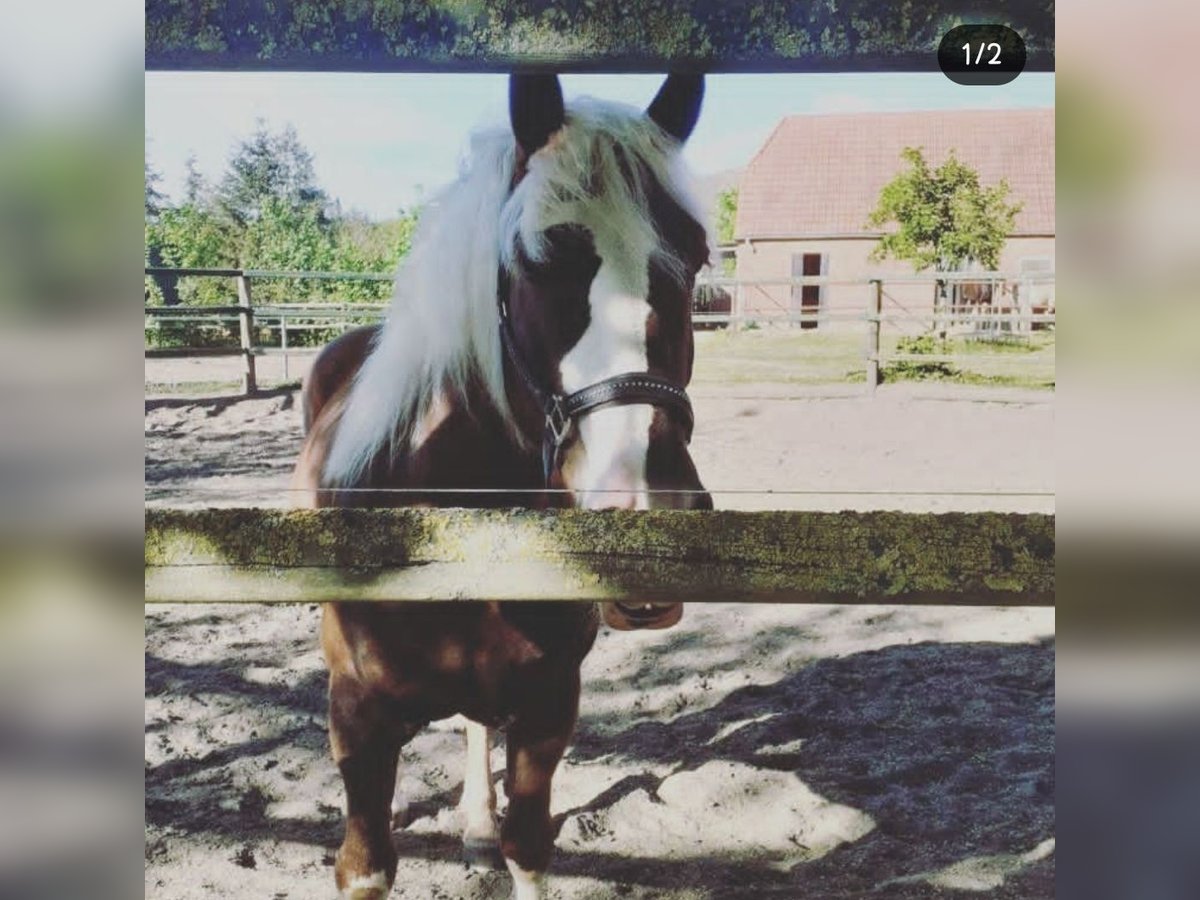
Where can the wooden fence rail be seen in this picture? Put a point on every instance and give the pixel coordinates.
(735, 317)
(293, 556)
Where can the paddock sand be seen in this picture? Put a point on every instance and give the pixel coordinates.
(752, 751)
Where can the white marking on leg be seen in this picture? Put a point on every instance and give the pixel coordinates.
(611, 463)
(526, 885)
(478, 802)
(367, 887)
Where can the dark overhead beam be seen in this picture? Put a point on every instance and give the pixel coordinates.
(573, 35)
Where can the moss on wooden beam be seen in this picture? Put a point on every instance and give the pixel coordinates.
(257, 555)
(579, 35)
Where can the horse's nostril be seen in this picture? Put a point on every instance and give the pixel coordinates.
(636, 615)
(626, 500)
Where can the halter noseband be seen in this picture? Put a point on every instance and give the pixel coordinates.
(561, 410)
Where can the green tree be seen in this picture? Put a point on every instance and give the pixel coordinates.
(265, 212)
(195, 188)
(154, 197)
(287, 237)
(191, 236)
(725, 224)
(945, 217)
(161, 289)
(269, 167)
(361, 245)
(726, 214)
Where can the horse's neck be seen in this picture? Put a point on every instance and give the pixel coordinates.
(460, 454)
(463, 442)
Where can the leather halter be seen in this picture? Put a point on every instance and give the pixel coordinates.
(562, 410)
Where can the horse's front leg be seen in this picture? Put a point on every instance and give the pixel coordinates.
(366, 747)
(537, 740)
(481, 834)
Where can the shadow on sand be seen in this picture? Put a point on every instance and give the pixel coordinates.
(948, 747)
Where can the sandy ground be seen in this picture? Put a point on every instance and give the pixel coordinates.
(753, 751)
(757, 446)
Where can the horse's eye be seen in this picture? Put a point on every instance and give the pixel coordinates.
(569, 241)
(567, 251)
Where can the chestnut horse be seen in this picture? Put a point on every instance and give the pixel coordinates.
(540, 337)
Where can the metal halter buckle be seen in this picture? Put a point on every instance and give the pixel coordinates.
(557, 422)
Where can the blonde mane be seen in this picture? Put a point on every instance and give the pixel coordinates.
(441, 333)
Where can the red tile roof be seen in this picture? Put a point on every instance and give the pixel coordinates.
(821, 175)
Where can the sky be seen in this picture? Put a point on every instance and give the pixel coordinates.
(383, 141)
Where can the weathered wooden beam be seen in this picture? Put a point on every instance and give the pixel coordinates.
(571, 35)
(260, 555)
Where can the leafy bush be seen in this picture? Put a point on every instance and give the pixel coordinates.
(921, 345)
(165, 333)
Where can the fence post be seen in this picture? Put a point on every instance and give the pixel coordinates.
(739, 304)
(939, 306)
(246, 319)
(874, 311)
(284, 343)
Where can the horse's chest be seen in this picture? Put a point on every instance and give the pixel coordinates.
(475, 659)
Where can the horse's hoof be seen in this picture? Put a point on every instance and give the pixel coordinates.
(368, 887)
(482, 855)
(365, 894)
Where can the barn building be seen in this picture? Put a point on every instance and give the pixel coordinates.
(805, 198)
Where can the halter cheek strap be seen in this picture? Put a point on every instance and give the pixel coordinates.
(562, 410)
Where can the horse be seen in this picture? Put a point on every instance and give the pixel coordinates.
(536, 353)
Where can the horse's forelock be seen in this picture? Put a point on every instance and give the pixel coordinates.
(599, 172)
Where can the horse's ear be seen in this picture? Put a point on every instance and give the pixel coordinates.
(535, 108)
(676, 106)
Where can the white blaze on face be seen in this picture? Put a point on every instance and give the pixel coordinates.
(608, 464)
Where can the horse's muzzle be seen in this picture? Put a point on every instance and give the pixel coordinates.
(637, 616)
